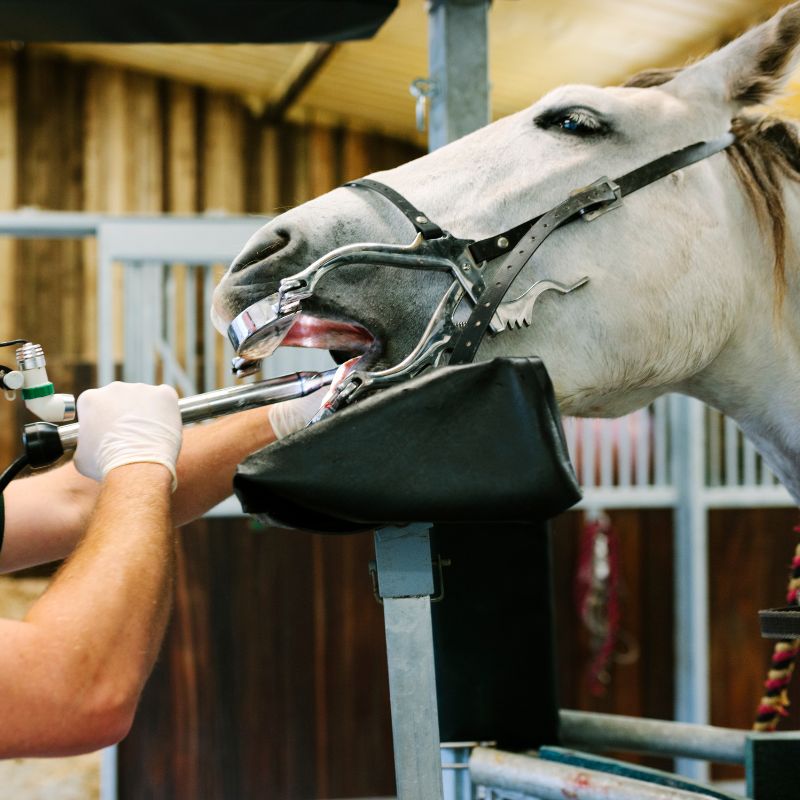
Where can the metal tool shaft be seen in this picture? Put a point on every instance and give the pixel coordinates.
(220, 402)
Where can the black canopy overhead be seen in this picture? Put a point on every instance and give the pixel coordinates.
(185, 21)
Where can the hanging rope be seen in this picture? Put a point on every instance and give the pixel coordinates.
(775, 701)
(597, 596)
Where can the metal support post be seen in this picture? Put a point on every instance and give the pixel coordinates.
(459, 72)
(405, 584)
(692, 701)
(455, 770)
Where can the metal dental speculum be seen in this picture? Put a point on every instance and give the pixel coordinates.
(258, 330)
(483, 272)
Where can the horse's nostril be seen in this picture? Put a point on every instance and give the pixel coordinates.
(262, 251)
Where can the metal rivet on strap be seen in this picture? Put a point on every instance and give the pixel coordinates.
(421, 219)
(502, 242)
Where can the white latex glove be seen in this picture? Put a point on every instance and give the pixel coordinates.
(128, 423)
(293, 415)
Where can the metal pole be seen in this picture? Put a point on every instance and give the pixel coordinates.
(692, 701)
(652, 736)
(549, 780)
(455, 770)
(459, 69)
(405, 584)
(108, 773)
(459, 104)
(105, 312)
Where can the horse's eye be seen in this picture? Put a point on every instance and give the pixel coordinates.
(575, 121)
(580, 123)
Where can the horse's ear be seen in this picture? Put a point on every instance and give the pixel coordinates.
(753, 68)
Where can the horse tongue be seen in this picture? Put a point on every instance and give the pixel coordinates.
(308, 331)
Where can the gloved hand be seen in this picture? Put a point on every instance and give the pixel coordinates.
(292, 415)
(128, 423)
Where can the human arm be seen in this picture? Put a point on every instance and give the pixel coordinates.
(47, 513)
(71, 672)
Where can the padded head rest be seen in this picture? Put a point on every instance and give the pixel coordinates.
(476, 443)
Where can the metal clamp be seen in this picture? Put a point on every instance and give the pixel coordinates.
(439, 564)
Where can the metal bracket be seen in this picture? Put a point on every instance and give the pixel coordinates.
(439, 564)
(422, 89)
(519, 313)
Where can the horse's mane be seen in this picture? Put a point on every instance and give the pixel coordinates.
(767, 149)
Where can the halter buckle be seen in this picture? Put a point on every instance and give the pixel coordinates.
(609, 197)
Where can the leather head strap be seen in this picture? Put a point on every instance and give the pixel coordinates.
(501, 243)
(518, 244)
(420, 221)
(602, 194)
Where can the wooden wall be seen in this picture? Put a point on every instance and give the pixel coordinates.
(272, 680)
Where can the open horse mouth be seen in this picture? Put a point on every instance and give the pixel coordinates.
(349, 343)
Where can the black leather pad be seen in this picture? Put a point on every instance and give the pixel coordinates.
(475, 443)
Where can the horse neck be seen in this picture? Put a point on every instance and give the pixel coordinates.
(756, 378)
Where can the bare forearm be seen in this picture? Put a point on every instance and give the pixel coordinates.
(209, 457)
(47, 514)
(104, 615)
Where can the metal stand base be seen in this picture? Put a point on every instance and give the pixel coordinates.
(405, 584)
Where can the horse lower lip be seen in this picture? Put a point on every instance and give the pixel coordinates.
(324, 334)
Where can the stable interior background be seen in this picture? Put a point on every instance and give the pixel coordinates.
(272, 679)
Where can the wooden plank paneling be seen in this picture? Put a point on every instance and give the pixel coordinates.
(643, 687)
(356, 160)
(182, 188)
(750, 557)
(9, 155)
(232, 710)
(144, 137)
(322, 161)
(51, 177)
(269, 155)
(223, 156)
(106, 141)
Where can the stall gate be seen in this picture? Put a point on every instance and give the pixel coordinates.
(155, 280)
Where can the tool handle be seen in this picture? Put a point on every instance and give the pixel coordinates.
(231, 399)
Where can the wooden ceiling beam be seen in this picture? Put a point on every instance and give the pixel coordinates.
(311, 59)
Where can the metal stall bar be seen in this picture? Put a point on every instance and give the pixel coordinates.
(653, 736)
(197, 240)
(550, 780)
(459, 104)
(459, 69)
(692, 669)
(643, 455)
(660, 434)
(404, 569)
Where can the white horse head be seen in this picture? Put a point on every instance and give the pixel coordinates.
(692, 281)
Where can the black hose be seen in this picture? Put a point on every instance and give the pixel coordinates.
(12, 470)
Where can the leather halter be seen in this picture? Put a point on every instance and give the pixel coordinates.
(482, 273)
(519, 243)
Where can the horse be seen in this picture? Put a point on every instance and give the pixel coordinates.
(692, 281)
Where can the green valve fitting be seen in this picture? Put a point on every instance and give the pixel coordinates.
(43, 390)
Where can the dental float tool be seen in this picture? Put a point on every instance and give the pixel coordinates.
(45, 442)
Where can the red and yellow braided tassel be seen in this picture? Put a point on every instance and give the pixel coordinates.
(775, 701)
